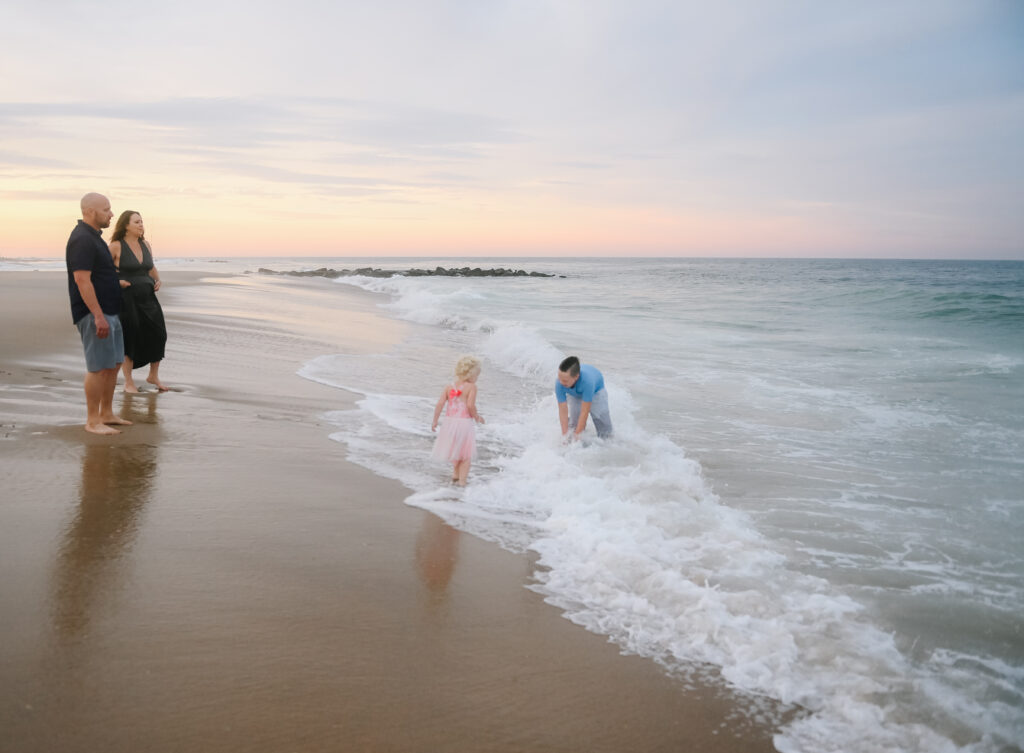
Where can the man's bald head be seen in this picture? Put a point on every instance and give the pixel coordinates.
(96, 210)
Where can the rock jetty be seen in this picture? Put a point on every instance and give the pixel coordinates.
(436, 272)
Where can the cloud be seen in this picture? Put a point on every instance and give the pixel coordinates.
(335, 147)
(67, 197)
(334, 184)
(18, 159)
(860, 116)
(248, 122)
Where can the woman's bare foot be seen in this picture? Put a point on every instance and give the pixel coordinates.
(101, 429)
(131, 389)
(155, 381)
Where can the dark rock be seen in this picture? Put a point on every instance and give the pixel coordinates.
(437, 271)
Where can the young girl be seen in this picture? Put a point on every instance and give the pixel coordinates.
(457, 441)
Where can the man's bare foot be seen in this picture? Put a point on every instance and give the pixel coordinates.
(116, 420)
(101, 429)
(158, 384)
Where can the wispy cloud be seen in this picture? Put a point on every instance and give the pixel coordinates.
(250, 122)
(16, 159)
(876, 119)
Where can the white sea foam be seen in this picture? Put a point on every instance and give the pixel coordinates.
(9, 264)
(818, 475)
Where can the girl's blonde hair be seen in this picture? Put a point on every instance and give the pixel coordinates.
(466, 366)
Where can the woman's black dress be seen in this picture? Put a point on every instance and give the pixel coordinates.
(142, 319)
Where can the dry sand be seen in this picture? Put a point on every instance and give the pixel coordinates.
(220, 578)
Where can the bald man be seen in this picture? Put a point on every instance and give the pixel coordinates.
(95, 304)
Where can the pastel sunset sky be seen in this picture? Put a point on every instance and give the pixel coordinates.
(519, 127)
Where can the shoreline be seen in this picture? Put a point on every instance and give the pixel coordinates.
(219, 577)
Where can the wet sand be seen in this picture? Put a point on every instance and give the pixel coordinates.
(220, 578)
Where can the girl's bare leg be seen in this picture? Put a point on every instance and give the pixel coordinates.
(129, 382)
(154, 376)
(455, 471)
(463, 472)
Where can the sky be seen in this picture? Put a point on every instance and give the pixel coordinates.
(884, 128)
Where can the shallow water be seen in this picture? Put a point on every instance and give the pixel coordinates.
(815, 483)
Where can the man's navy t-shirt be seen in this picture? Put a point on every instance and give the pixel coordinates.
(87, 250)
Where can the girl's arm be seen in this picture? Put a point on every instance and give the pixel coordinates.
(439, 406)
(470, 395)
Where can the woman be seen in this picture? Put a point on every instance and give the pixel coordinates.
(145, 334)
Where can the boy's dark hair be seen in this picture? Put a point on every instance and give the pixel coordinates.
(570, 366)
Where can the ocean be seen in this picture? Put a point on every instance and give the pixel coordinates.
(815, 490)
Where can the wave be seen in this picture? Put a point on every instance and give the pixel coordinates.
(13, 264)
(975, 307)
(633, 543)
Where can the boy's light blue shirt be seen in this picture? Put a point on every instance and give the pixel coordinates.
(590, 381)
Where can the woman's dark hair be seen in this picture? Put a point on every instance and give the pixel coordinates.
(570, 366)
(122, 225)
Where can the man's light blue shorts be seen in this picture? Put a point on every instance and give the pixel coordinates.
(107, 353)
(599, 413)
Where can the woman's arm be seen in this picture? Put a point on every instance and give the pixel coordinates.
(153, 273)
(115, 252)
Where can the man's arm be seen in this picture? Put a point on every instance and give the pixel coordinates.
(563, 417)
(83, 279)
(584, 415)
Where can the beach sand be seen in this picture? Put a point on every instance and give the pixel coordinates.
(220, 578)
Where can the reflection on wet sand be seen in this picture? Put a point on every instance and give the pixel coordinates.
(115, 486)
(139, 408)
(437, 551)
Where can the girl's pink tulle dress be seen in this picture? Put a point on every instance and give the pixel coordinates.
(456, 439)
